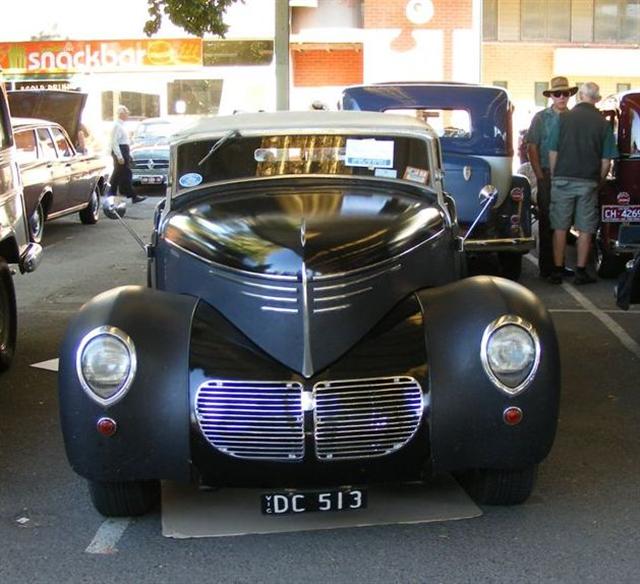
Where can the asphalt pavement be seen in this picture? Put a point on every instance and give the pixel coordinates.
(582, 523)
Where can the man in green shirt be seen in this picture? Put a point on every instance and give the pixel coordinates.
(542, 125)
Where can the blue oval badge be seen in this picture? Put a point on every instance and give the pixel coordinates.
(192, 179)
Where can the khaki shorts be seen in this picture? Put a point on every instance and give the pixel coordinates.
(574, 202)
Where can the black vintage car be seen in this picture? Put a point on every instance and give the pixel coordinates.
(57, 179)
(306, 327)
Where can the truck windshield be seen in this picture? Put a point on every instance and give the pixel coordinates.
(394, 157)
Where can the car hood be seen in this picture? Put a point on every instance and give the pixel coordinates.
(150, 151)
(317, 230)
(63, 107)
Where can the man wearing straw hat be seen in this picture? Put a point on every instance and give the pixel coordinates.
(537, 139)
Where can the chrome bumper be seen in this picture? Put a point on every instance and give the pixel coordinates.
(515, 244)
(31, 257)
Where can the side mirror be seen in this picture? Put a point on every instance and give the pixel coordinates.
(487, 193)
(114, 208)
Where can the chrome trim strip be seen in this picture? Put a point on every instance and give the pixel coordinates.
(342, 296)
(505, 244)
(307, 359)
(358, 281)
(264, 297)
(133, 363)
(68, 211)
(509, 319)
(277, 309)
(331, 309)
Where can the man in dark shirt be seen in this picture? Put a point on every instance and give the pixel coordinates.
(580, 153)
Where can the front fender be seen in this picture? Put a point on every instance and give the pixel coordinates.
(466, 423)
(152, 439)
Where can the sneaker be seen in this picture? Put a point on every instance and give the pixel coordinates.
(567, 272)
(582, 277)
(138, 199)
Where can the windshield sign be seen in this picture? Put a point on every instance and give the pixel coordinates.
(243, 157)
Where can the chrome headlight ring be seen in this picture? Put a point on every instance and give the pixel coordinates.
(528, 372)
(128, 353)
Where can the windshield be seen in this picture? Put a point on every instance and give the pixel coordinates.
(243, 157)
(155, 132)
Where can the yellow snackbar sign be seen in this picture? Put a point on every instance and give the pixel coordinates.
(80, 56)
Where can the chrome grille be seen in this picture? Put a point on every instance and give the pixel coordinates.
(364, 418)
(253, 419)
(150, 164)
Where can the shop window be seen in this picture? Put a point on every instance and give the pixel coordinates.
(503, 84)
(546, 20)
(622, 87)
(5, 125)
(539, 87)
(140, 105)
(617, 21)
(194, 96)
(236, 53)
(490, 20)
(26, 147)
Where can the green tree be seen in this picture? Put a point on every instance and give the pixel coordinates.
(197, 17)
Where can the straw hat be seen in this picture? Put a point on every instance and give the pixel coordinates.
(560, 84)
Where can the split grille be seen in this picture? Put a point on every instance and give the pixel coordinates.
(253, 419)
(365, 418)
(356, 418)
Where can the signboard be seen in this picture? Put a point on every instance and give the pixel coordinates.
(99, 56)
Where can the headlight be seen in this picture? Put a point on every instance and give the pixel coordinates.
(106, 364)
(510, 353)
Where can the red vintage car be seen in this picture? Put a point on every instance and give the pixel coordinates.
(620, 197)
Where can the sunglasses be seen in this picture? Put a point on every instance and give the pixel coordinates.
(561, 93)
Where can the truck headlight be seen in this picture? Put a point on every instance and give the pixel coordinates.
(510, 353)
(106, 364)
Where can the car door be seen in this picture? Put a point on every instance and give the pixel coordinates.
(76, 167)
(59, 173)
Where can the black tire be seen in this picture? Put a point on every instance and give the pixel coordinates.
(36, 224)
(91, 213)
(124, 499)
(488, 486)
(608, 265)
(510, 265)
(8, 317)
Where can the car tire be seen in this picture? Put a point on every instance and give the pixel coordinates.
(91, 213)
(36, 224)
(510, 265)
(489, 486)
(8, 317)
(124, 499)
(608, 265)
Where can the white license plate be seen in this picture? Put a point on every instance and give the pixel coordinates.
(283, 503)
(620, 213)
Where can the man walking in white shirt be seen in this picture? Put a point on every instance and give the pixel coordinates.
(121, 175)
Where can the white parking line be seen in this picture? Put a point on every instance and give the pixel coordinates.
(106, 538)
(604, 318)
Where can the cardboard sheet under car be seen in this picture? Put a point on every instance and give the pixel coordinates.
(189, 512)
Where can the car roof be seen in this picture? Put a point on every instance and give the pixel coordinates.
(307, 121)
(23, 122)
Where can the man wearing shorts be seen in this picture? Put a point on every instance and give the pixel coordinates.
(580, 153)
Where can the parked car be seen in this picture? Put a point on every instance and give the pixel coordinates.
(150, 150)
(57, 180)
(619, 200)
(474, 125)
(15, 245)
(306, 327)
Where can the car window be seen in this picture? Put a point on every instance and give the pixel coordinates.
(447, 123)
(396, 157)
(5, 124)
(26, 146)
(47, 146)
(64, 147)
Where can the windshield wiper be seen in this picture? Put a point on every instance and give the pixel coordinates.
(232, 134)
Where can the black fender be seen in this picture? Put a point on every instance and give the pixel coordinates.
(466, 419)
(152, 437)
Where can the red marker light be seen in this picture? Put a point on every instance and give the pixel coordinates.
(107, 426)
(512, 416)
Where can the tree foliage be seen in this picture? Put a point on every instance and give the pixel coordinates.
(197, 17)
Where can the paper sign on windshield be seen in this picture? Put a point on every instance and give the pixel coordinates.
(369, 153)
